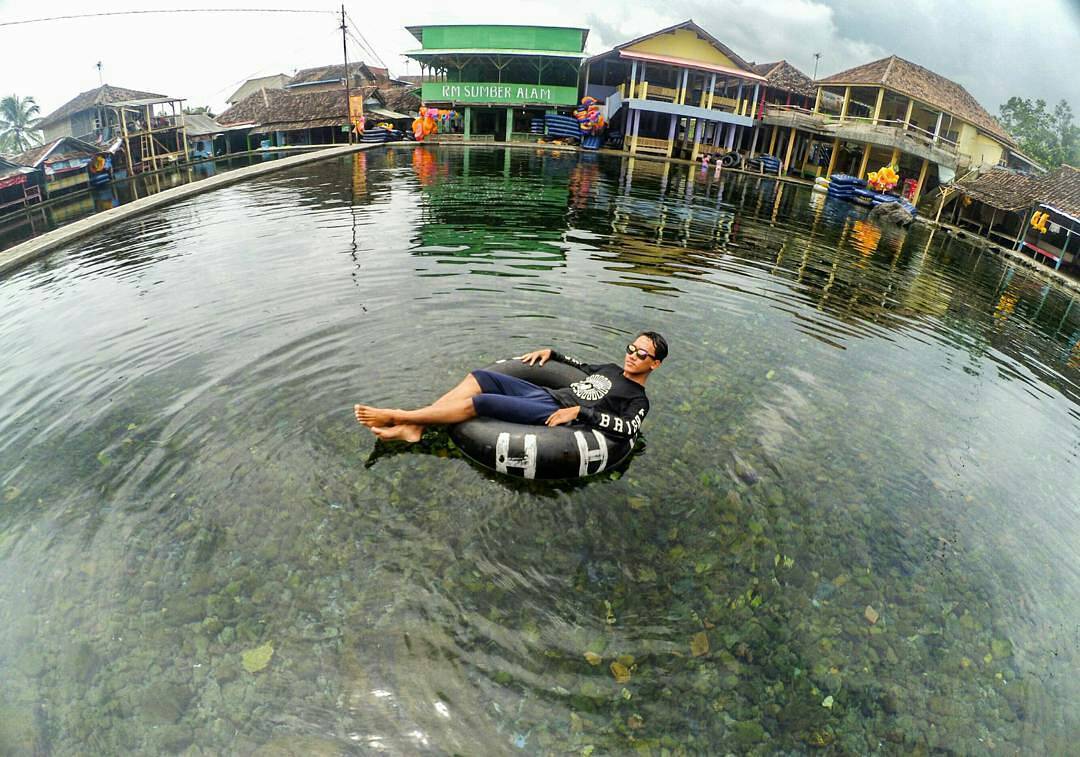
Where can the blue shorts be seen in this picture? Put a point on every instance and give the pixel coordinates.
(512, 399)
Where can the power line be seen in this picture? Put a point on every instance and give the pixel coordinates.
(171, 10)
(366, 43)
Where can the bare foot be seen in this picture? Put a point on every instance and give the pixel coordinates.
(373, 416)
(405, 432)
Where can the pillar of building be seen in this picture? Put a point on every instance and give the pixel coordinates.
(772, 139)
(844, 107)
(509, 123)
(636, 116)
(468, 123)
(633, 80)
(672, 125)
(919, 184)
(699, 132)
(817, 101)
(877, 105)
(753, 141)
(864, 162)
(833, 156)
(790, 147)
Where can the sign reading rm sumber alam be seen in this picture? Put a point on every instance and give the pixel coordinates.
(508, 94)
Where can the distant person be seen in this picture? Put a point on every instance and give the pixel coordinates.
(611, 399)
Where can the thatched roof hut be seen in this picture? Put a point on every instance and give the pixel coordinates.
(784, 76)
(289, 110)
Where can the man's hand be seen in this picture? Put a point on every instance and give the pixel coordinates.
(531, 357)
(563, 415)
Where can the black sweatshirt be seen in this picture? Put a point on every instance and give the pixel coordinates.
(609, 401)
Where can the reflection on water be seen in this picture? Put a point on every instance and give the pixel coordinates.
(853, 527)
(38, 219)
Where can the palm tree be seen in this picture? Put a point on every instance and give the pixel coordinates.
(18, 116)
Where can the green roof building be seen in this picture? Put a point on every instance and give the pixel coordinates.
(499, 78)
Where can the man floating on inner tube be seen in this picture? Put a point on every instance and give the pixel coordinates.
(610, 399)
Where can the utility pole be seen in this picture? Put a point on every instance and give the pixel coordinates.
(817, 57)
(345, 54)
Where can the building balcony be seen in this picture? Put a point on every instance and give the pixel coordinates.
(698, 99)
(883, 133)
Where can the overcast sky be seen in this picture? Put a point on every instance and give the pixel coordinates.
(994, 48)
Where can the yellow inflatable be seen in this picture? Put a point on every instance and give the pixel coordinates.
(1038, 221)
(883, 179)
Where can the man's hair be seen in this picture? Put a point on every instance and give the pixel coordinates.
(659, 343)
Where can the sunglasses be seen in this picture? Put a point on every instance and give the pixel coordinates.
(640, 353)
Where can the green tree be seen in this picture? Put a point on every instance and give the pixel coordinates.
(1050, 137)
(18, 117)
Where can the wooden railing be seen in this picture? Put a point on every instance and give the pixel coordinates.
(648, 144)
(651, 91)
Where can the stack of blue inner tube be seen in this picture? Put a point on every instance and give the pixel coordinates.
(592, 141)
(565, 127)
(843, 186)
(536, 126)
(375, 134)
(769, 163)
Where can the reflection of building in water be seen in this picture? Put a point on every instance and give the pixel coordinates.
(496, 205)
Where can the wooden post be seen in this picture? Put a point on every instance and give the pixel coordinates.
(877, 105)
(754, 102)
(941, 205)
(865, 161)
(753, 142)
(790, 147)
(772, 140)
(127, 142)
(636, 116)
(633, 79)
(832, 158)
(1024, 221)
(847, 100)
(150, 139)
(674, 120)
(685, 83)
(183, 140)
(919, 184)
(712, 86)
(895, 157)
(907, 116)
(937, 126)
(817, 101)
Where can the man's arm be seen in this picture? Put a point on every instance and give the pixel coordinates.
(622, 425)
(542, 356)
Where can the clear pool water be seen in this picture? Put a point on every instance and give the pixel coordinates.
(853, 526)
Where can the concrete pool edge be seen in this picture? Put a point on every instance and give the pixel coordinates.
(31, 249)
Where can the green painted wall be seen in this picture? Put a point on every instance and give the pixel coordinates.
(506, 93)
(503, 38)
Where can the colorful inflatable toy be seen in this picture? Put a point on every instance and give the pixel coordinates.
(883, 179)
(590, 116)
(429, 121)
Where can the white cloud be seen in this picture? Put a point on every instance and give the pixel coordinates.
(993, 47)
